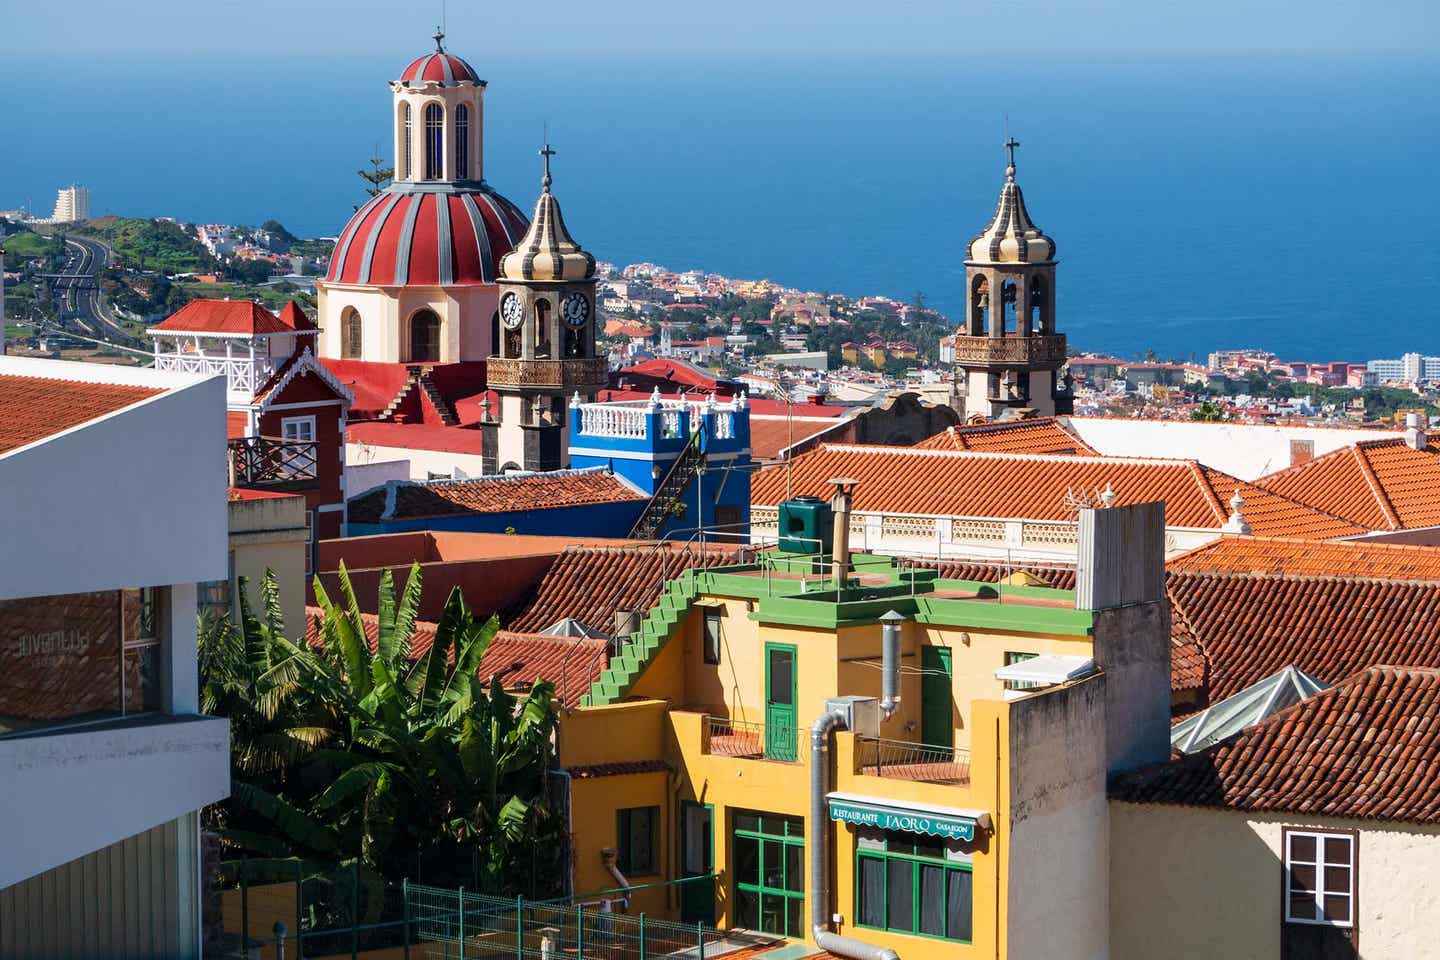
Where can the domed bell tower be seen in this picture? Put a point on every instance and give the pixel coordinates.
(546, 351)
(1008, 355)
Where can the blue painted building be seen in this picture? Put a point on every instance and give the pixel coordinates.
(648, 469)
(692, 458)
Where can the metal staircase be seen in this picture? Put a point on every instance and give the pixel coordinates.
(669, 499)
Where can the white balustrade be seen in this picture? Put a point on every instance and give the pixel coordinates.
(612, 420)
(241, 373)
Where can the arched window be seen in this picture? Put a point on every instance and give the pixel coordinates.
(462, 142)
(405, 141)
(424, 337)
(979, 304)
(495, 334)
(1008, 293)
(351, 332)
(434, 141)
(1040, 323)
(542, 327)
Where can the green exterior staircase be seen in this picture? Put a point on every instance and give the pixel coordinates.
(637, 650)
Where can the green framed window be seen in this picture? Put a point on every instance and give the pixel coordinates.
(906, 883)
(767, 856)
(635, 839)
(1013, 657)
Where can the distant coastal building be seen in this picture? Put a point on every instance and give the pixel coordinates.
(72, 204)
(1411, 367)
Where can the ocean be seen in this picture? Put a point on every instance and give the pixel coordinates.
(1286, 204)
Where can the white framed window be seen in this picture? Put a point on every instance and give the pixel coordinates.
(1320, 877)
(298, 429)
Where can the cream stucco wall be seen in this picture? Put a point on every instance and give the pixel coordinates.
(465, 313)
(270, 534)
(1206, 883)
(420, 463)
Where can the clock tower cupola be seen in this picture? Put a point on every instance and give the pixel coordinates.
(546, 350)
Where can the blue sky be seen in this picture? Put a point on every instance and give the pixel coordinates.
(1008, 30)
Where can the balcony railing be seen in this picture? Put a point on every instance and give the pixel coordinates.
(242, 374)
(1010, 349)
(267, 462)
(755, 741)
(566, 375)
(902, 760)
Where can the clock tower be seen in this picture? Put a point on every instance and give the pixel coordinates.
(546, 348)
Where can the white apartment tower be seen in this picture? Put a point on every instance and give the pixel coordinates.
(72, 203)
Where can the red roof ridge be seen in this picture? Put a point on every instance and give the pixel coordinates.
(1202, 478)
(1061, 458)
(1376, 490)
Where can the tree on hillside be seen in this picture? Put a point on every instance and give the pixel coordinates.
(377, 178)
(277, 230)
(362, 754)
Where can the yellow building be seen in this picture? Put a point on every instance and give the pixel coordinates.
(757, 731)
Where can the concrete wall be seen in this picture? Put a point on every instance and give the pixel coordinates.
(1207, 883)
(1058, 867)
(1247, 451)
(135, 898)
(1132, 646)
(74, 791)
(419, 464)
(269, 534)
(136, 498)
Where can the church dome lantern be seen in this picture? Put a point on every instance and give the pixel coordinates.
(547, 253)
(1011, 237)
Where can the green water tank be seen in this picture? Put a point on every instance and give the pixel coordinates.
(807, 525)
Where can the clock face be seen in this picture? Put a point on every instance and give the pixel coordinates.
(511, 311)
(576, 309)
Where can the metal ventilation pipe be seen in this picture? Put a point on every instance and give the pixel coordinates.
(890, 664)
(840, 506)
(821, 733)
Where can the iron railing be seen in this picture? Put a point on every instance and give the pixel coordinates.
(266, 461)
(903, 760)
(759, 741)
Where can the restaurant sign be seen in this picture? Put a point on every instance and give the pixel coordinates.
(885, 816)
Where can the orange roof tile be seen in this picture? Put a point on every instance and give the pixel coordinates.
(223, 316)
(1380, 484)
(1363, 749)
(770, 435)
(1300, 558)
(1045, 435)
(534, 491)
(295, 318)
(1038, 487)
(591, 584)
(33, 408)
(572, 664)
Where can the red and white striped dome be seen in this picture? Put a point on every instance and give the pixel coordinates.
(439, 67)
(419, 236)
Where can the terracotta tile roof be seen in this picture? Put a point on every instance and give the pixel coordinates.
(1300, 558)
(1189, 667)
(620, 769)
(1364, 749)
(1247, 626)
(1045, 435)
(295, 318)
(507, 494)
(572, 664)
(33, 408)
(1379, 484)
(223, 316)
(420, 640)
(1036, 487)
(591, 583)
(770, 434)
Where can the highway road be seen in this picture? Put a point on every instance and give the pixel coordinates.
(81, 290)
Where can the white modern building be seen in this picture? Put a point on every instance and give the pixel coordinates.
(1411, 367)
(114, 507)
(71, 205)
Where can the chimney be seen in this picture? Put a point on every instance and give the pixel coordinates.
(626, 623)
(1415, 437)
(840, 506)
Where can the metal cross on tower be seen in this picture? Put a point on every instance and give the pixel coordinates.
(547, 153)
(1010, 146)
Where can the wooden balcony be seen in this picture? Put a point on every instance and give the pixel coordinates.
(268, 463)
(586, 376)
(1010, 349)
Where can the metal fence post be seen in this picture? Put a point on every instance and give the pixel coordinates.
(579, 931)
(642, 936)
(461, 895)
(299, 906)
(699, 940)
(519, 926)
(244, 905)
(355, 910)
(405, 912)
